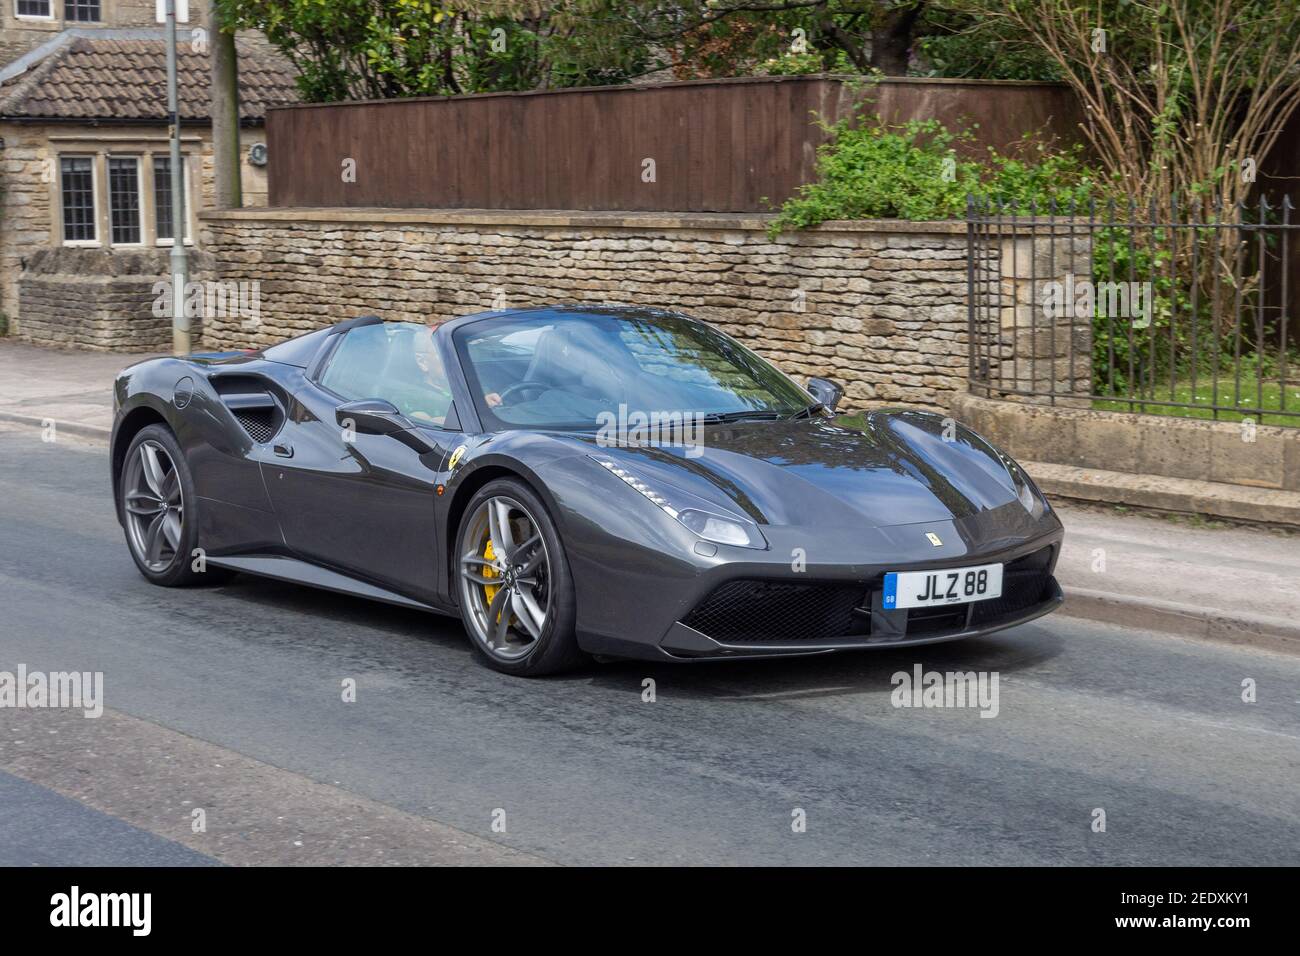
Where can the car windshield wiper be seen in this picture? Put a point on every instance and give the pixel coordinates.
(746, 415)
(808, 411)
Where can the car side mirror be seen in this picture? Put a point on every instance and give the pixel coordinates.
(825, 391)
(372, 416)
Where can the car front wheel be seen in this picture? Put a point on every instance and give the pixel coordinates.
(158, 507)
(515, 590)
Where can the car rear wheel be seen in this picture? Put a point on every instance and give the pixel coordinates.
(158, 510)
(516, 593)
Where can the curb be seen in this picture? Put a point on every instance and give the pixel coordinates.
(1273, 506)
(72, 428)
(1183, 620)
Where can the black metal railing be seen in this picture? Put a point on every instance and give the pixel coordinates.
(1185, 309)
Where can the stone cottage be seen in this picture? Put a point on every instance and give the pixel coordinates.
(85, 195)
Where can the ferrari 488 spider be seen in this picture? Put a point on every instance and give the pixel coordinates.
(576, 482)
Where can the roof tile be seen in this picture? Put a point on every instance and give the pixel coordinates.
(93, 78)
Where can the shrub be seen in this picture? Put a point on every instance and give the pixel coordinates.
(872, 171)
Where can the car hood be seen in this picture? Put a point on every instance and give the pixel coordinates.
(879, 469)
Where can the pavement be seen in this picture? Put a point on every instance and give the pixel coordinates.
(1196, 578)
(70, 388)
(1206, 580)
(226, 699)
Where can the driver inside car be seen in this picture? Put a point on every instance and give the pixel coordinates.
(429, 398)
(418, 388)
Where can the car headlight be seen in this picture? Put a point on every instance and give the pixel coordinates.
(708, 525)
(1029, 496)
(716, 528)
(1026, 497)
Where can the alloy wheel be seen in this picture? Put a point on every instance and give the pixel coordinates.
(505, 578)
(154, 504)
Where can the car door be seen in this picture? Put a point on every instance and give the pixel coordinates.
(359, 503)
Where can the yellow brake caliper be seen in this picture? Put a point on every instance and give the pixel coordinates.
(490, 590)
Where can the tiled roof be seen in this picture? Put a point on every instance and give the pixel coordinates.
(127, 80)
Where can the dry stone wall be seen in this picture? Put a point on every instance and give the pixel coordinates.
(878, 306)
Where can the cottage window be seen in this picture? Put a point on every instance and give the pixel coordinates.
(33, 8)
(162, 198)
(81, 11)
(77, 189)
(114, 199)
(182, 11)
(124, 199)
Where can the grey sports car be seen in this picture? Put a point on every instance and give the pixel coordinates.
(578, 482)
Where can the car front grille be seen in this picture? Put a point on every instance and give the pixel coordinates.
(1025, 582)
(758, 611)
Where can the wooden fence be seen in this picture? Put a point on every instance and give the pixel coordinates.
(737, 145)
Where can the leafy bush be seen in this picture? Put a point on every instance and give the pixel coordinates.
(363, 49)
(793, 64)
(872, 171)
(952, 42)
(1187, 334)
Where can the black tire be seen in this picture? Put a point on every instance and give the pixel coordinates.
(556, 649)
(179, 569)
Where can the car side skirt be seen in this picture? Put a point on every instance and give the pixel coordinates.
(300, 572)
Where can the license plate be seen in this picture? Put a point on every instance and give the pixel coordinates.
(930, 588)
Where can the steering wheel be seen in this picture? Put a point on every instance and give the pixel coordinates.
(522, 386)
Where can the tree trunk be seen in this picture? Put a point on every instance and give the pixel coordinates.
(891, 40)
(225, 116)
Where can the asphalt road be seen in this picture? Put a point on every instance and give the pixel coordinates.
(228, 699)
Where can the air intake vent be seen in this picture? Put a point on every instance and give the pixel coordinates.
(258, 422)
(258, 411)
(1025, 582)
(757, 610)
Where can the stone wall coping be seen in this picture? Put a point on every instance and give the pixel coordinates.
(597, 219)
(973, 400)
(1155, 446)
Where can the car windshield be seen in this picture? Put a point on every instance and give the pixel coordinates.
(565, 369)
